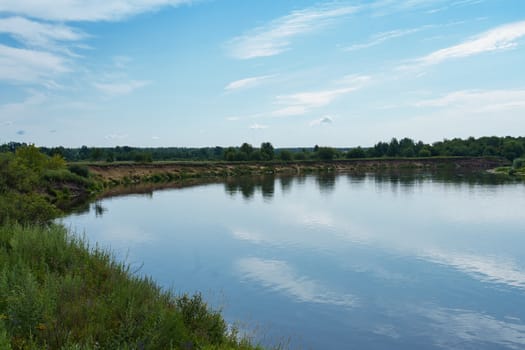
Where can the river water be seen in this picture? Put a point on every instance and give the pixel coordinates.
(414, 261)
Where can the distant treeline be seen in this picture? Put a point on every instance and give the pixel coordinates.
(507, 147)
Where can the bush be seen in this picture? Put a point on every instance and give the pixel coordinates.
(26, 208)
(518, 163)
(326, 153)
(285, 155)
(424, 153)
(80, 170)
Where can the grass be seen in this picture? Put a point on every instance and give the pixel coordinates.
(56, 292)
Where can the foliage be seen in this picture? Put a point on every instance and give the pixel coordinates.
(518, 163)
(57, 293)
(357, 152)
(80, 170)
(326, 153)
(285, 155)
(267, 151)
(491, 146)
(32, 183)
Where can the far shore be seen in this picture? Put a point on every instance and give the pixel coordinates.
(122, 173)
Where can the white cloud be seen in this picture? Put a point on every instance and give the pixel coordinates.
(247, 82)
(25, 65)
(258, 126)
(478, 101)
(74, 10)
(499, 38)
(322, 121)
(275, 37)
(303, 102)
(385, 36)
(121, 88)
(116, 136)
(38, 34)
(279, 276)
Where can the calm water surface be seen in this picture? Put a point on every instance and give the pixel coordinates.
(336, 262)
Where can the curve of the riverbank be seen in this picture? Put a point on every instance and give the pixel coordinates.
(134, 173)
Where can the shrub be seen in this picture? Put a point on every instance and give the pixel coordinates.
(285, 155)
(80, 170)
(518, 163)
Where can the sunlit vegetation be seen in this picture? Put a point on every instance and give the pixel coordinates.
(56, 292)
(506, 147)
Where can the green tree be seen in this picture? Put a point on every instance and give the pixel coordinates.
(357, 152)
(285, 155)
(393, 148)
(267, 151)
(326, 153)
(246, 148)
(512, 149)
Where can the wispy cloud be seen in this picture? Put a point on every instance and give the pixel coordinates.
(247, 82)
(385, 36)
(322, 121)
(500, 38)
(36, 34)
(477, 100)
(116, 136)
(72, 10)
(120, 88)
(26, 65)
(276, 37)
(258, 126)
(303, 102)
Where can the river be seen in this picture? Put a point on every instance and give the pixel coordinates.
(413, 261)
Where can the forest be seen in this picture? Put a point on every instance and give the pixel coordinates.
(488, 146)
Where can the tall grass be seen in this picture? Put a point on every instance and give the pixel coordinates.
(56, 292)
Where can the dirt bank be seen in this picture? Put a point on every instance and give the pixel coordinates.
(130, 173)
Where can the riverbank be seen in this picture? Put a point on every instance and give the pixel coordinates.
(57, 292)
(113, 174)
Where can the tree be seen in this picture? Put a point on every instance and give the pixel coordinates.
(357, 152)
(407, 147)
(425, 152)
(512, 149)
(285, 155)
(267, 151)
(229, 154)
(393, 148)
(326, 153)
(246, 148)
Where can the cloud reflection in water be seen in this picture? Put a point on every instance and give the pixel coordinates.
(277, 275)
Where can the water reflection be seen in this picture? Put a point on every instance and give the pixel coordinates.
(393, 260)
(286, 183)
(249, 185)
(278, 275)
(326, 182)
(452, 328)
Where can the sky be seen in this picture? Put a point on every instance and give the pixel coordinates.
(295, 73)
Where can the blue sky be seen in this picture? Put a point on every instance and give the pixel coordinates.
(295, 73)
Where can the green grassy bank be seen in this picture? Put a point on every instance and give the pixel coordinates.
(56, 292)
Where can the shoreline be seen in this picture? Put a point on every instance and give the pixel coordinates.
(114, 174)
